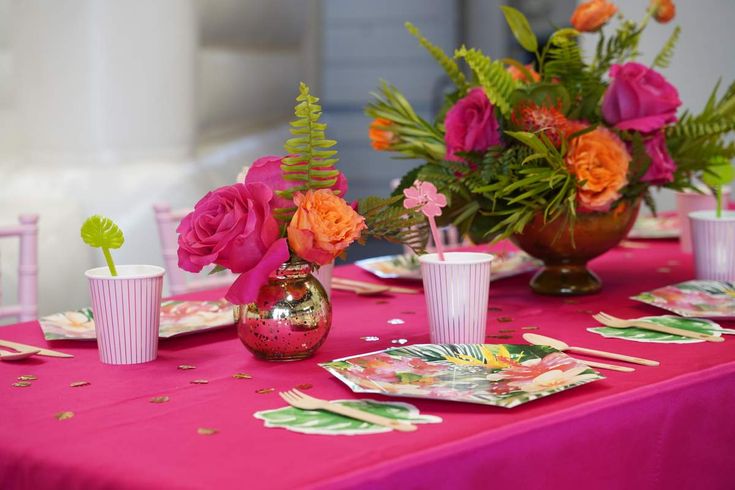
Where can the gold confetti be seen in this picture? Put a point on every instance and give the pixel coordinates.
(506, 330)
(27, 377)
(242, 376)
(22, 384)
(500, 336)
(408, 313)
(530, 327)
(494, 308)
(571, 301)
(159, 399)
(199, 381)
(185, 367)
(263, 391)
(664, 270)
(673, 262)
(304, 386)
(505, 319)
(586, 312)
(77, 384)
(382, 302)
(64, 415)
(206, 431)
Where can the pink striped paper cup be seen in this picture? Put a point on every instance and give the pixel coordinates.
(324, 276)
(713, 240)
(456, 292)
(127, 312)
(689, 202)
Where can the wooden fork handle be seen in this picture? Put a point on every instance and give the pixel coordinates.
(676, 331)
(604, 365)
(354, 413)
(612, 355)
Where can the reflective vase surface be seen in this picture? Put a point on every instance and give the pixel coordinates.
(565, 254)
(291, 317)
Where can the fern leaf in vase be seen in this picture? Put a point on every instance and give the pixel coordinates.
(311, 160)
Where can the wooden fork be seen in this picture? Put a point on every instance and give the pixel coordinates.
(614, 322)
(297, 399)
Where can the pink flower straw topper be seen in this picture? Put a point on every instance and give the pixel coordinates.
(423, 195)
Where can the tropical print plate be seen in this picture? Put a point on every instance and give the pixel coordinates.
(177, 318)
(653, 227)
(407, 266)
(332, 424)
(703, 299)
(502, 375)
(641, 335)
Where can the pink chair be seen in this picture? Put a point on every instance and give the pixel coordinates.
(178, 280)
(27, 232)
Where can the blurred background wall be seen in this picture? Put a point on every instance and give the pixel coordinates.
(109, 106)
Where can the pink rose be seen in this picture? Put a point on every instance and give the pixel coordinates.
(639, 98)
(471, 125)
(661, 170)
(233, 227)
(268, 171)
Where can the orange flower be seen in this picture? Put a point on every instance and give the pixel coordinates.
(663, 10)
(520, 76)
(530, 116)
(380, 138)
(323, 226)
(590, 16)
(599, 159)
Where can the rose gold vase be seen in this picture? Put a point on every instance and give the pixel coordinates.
(565, 252)
(291, 317)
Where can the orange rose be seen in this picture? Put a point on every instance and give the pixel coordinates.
(599, 159)
(663, 10)
(590, 16)
(520, 76)
(381, 139)
(323, 226)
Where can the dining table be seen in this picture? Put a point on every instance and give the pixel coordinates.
(663, 427)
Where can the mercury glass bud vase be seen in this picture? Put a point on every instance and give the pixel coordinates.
(291, 317)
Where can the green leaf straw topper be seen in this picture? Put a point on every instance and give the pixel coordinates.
(717, 174)
(101, 232)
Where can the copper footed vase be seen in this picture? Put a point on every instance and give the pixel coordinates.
(565, 252)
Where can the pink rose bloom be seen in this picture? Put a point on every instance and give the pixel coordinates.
(471, 125)
(661, 170)
(639, 98)
(234, 227)
(268, 171)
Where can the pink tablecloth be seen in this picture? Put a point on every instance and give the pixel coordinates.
(666, 427)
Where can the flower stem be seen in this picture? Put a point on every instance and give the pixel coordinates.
(110, 263)
(718, 191)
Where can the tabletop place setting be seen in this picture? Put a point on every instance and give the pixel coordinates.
(563, 319)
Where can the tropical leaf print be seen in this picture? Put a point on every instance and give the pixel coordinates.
(641, 335)
(328, 423)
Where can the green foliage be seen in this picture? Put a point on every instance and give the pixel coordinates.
(492, 77)
(311, 163)
(621, 47)
(520, 28)
(417, 138)
(663, 58)
(447, 63)
(101, 232)
(387, 219)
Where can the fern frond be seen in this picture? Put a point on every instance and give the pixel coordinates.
(663, 58)
(311, 161)
(693, 129)
(492, 76)
(448, 64)
(387, 219)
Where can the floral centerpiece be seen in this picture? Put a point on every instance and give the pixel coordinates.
(557, 154)
(285, 217)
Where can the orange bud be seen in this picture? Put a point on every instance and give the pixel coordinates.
(663, 10)
(591, 16)
(380, 138)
